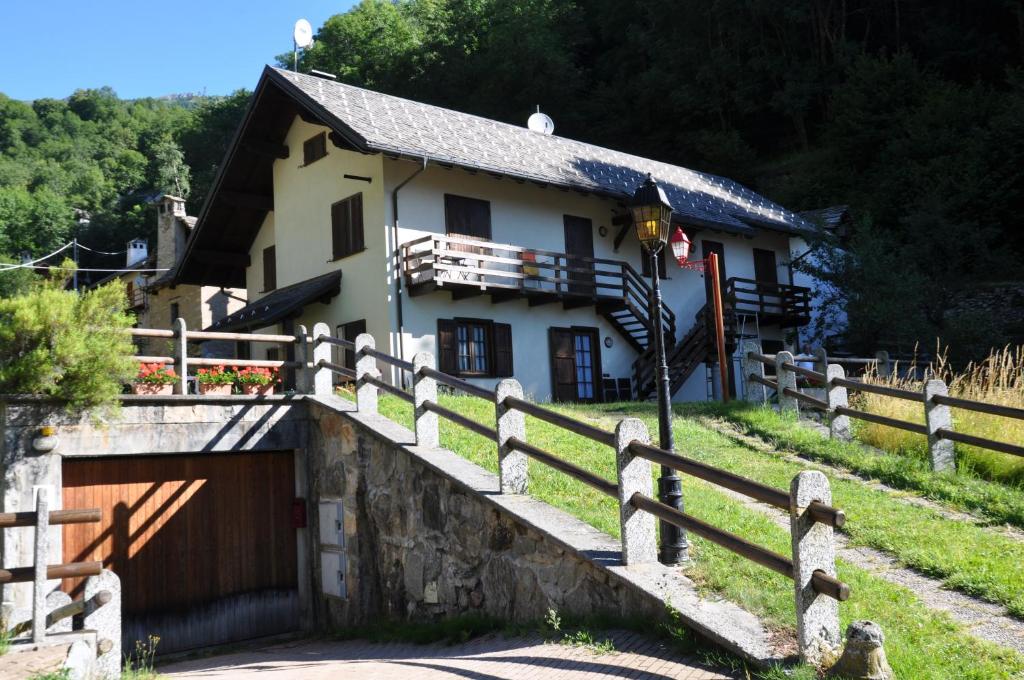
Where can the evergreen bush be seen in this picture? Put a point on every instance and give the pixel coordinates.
(67, 345)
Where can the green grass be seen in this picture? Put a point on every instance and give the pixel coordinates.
(964, 491)
(920, 643)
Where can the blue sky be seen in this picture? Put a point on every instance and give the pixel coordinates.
(50, 48)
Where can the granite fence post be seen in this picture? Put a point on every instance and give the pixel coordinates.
(424, 389)
(639, 542)
(817, 616)
(41, 557)
(322, 381)
(882, 364)
(105, 619)
(366, 394)
(836, 396)
(752, 390)
(303, 373)
(821, 366)
(181, 355)
(786, 378)
(938, 417)
(511, 423)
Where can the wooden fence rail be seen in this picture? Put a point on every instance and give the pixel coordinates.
(936, 403)
(808, 502)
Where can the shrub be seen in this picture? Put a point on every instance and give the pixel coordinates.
(66, 345)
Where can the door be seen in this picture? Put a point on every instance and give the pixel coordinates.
(708, 247)
(203, 543)
(766, 273)
(579, 241)
(575, 364)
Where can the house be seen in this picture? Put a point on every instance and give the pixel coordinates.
(154, 298)
(501, 250)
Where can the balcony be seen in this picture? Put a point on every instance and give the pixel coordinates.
(469, 267)
(774, 303)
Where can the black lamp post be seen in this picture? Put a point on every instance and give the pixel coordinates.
(652, 218)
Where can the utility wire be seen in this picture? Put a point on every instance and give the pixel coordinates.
(35, 266)
(44, 257)
(100, 252)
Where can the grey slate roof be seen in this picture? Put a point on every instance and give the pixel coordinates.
(399, 126)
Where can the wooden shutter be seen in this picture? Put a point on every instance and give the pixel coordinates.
(447, 347)
(563, 364)
(645, 263)
(314, 148)
(765, 268)
(270, 268)
(347, 227)
(502, 333)
(467, 218)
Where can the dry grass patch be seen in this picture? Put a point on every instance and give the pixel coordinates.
(999, 379)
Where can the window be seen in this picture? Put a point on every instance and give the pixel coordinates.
(269, 268)
(474, 347)
(314, 148)
(469, 217)
(349, 331)
(575, 364)
(347, 227)
(645, 263)
(175, 312)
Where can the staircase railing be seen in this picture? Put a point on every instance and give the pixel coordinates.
(462, 261)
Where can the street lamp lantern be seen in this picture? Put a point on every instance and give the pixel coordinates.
(652, 219)
(652, 215)
(680, 243)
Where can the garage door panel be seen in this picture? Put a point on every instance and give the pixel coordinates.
(203, 543)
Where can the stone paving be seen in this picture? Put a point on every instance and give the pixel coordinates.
(23, 665)
(488, 657)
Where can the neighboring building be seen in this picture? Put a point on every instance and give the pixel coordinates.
(153, 297)
(501, 250)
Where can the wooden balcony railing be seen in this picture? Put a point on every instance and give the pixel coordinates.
(772, 302)
(504, 269)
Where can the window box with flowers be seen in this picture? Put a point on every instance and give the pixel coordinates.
(256, 380)
(215, 380)
(154, 379)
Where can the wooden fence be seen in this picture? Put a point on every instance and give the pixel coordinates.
(808, 501)
(54, 610)
(831, 377)
(811, 566)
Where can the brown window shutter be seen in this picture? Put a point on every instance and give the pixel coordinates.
(270, 268)
(356, 226)
(339, 220)
(447, 347)
(502, 350)
(645, 263)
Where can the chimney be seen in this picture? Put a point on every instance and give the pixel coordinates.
(138, 250)
(171, 231)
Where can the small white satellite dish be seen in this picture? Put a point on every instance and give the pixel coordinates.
(540, 122)
(303, 34)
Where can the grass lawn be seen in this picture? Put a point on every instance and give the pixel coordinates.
(963, 490)
(920, 643)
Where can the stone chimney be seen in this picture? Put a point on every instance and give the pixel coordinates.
(171, 231)
(138, 250)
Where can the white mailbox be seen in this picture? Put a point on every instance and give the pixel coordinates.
(332, 574)
(332, 524)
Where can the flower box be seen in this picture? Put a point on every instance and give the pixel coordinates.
(215, 389)
(152, 389)
(260, 390)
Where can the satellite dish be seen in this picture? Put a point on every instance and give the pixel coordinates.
(540, 122)
(303, 33)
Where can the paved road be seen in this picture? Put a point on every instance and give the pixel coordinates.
(489, 657)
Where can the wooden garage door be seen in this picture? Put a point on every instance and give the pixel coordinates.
(203, 544)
